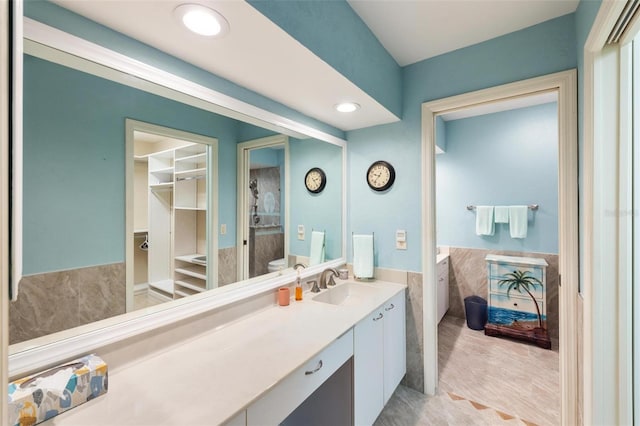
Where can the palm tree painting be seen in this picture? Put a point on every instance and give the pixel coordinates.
(523, 280)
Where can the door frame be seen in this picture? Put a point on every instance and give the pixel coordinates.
(565, 83)
(6, 42)
(608, 251)
(244, 149)
(212, 199)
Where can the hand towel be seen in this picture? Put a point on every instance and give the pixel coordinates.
(518, 217)
(363, 256)
(316, 254)
(501, 214)
(484, 220)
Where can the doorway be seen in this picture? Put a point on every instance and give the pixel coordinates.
(564, 84)
(171, 218)
(263, 176)
(499, 165)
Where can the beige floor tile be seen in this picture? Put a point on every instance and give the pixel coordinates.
(483, 381)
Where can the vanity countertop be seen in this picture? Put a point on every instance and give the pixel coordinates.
(441, 257)
(211, 378)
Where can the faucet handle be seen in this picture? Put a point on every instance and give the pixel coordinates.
(315, 288)
(331, 281)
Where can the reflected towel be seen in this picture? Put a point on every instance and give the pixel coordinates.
(363, 256)
(316, 254)
(518, 216)
(501, 214)
(484, 220)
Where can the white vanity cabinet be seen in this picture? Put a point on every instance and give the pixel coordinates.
(443, 287)
(282, 400)
(379, 351)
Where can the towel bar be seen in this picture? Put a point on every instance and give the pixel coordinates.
(533, 207)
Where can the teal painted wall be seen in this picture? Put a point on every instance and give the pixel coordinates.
(333, 31)
(505, 158)
(74, 164)
(58, 17)
(542, 49)
(321, 211)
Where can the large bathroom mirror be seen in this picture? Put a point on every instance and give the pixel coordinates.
(116, 166)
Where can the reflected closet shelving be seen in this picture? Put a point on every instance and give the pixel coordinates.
(178, 221)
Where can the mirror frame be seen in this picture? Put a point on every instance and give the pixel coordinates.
(41, 352)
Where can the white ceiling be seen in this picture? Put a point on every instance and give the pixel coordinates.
(272, 62)
(415, 30)
(275, 65)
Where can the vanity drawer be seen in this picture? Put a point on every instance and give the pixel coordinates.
(280, 401)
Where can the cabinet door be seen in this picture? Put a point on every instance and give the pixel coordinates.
(443, 288)
(367, 368)
(395, 354)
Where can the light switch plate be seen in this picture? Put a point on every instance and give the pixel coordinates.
(401, 239)
(223, 229)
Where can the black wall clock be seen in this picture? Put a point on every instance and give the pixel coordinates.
(381, 176)
(315, 180)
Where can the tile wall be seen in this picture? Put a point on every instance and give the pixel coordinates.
(468, 276)
(56, 301)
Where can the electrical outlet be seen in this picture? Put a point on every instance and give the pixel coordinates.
(301, 232)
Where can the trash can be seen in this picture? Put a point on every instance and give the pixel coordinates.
(475, 308)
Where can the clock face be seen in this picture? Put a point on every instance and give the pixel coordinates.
(381, 176)
(315, 180)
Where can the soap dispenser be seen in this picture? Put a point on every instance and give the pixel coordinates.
(297, 267)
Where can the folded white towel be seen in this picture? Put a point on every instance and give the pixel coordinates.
(316, 254)
(501, 214)
(484, 220)
(518, 217)
(363, 256)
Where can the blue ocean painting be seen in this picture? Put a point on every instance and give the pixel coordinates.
(503, 316)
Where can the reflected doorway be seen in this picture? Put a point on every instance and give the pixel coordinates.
(171, 251)
(262, 200)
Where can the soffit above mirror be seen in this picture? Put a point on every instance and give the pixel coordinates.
(274, 64)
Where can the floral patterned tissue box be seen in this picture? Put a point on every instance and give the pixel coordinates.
(38, 397)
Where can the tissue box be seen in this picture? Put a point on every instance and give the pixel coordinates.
(38, 397)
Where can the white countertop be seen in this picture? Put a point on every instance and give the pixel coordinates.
(213, 377)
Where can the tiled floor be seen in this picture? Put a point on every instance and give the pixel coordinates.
(143, 300)
(483, 381)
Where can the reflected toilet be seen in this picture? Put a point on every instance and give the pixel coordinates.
(276, 265)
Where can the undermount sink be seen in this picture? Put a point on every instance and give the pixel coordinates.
(344, 294)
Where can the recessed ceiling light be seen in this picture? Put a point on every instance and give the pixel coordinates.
(347, 106)
(202, 20)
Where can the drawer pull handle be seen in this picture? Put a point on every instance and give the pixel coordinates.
(515, 304)
(389, 308)
(378, 318)
(308, 373)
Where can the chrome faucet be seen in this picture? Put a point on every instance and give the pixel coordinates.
(299, 265)
(323, 279)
